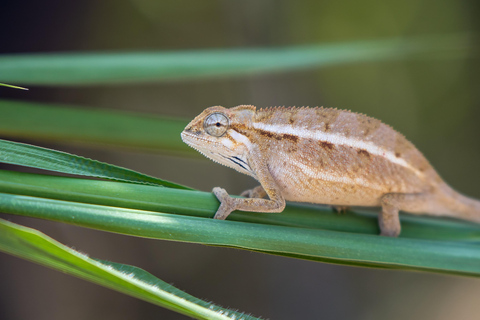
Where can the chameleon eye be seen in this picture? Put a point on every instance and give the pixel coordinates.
(216, 124)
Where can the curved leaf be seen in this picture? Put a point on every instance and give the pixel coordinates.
(42, 158)
(34, 246)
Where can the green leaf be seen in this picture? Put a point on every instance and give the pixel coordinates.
(36, 157)
(110, 68)
(32, 245)
(449, 257)
(64, 123)
(204, 204)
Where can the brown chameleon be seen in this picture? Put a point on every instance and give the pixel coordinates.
(323, 155)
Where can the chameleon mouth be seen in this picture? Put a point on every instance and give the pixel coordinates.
(190, 138)
(195, 141)
(205, 146)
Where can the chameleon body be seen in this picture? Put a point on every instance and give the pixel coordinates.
(323, 155)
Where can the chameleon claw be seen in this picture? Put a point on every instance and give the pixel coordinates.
(340, 209)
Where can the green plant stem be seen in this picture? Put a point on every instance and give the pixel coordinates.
(204, 204)
(319, 245)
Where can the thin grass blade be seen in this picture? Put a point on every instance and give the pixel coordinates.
(12, 86)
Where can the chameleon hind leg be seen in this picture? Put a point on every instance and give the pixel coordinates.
(392, 203)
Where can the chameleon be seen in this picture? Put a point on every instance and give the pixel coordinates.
(325, 156)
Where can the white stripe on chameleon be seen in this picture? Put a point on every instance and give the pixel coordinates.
(333, 177)
(240, 138)
(227, 143)
(336, 139)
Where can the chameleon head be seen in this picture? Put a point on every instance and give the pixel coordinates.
(217, 134)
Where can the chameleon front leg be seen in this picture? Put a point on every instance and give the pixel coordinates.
(275, 203)
(392, 203)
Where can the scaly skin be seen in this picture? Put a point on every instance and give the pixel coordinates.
(323, 155)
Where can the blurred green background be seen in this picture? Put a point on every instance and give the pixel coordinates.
(434, 102)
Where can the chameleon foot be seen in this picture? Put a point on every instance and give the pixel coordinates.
(226, 207)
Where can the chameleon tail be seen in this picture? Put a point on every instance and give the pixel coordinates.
(459, 206)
